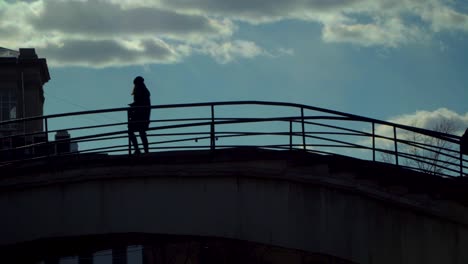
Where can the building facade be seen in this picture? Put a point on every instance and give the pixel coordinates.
(22, 77)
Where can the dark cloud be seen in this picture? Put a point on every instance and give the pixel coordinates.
(15, 1)
(262, 10)
(100, 18)
(106, 53)
(9, 30)
(241, 7)
(331, 4)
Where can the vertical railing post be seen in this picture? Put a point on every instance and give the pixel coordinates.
(290, 135)
(373, 141)
(303, 129)
(212, 130)
(128, 132)
(396, 145)
(46, 128)
(461, 162)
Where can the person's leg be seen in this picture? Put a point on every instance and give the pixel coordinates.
(144, 140)
(133, 139)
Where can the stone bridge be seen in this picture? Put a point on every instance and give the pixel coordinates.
(353, 210)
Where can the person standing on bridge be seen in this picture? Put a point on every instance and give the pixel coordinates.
(464, 143)
(139, 114)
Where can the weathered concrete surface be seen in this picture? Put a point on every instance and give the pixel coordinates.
(305, 204)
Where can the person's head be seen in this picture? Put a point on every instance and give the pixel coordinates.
(138, 80)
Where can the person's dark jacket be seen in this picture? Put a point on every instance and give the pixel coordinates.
(139, 115)
(464, 143)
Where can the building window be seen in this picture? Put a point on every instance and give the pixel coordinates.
(7, 106)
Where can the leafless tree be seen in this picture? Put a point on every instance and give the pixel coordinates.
(430, 154)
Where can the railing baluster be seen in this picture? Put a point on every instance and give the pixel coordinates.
(46, 128)
(373, 141)
(129, 142)
(290, 135)
(212, 130)
(396, 145)
(461, 162)
(303, 129)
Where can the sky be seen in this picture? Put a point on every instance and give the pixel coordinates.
(398, 60)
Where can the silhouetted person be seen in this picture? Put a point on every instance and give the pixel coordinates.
(139, 114)
(464, 143)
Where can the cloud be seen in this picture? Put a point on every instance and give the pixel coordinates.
(108, 34)
(101, 19)
(389, 23)
(441, 120)
(445, 18)
(263, 11)
(432, 120)
(108, 53)
(391, 34)
(177, 28)
(229, 51)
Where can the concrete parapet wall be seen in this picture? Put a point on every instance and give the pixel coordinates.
(305, 207)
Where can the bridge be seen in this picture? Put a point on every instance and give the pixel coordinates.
(233, 182)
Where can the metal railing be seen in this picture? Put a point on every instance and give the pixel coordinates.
(217, 125)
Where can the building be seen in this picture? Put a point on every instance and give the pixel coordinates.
(22, 76)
